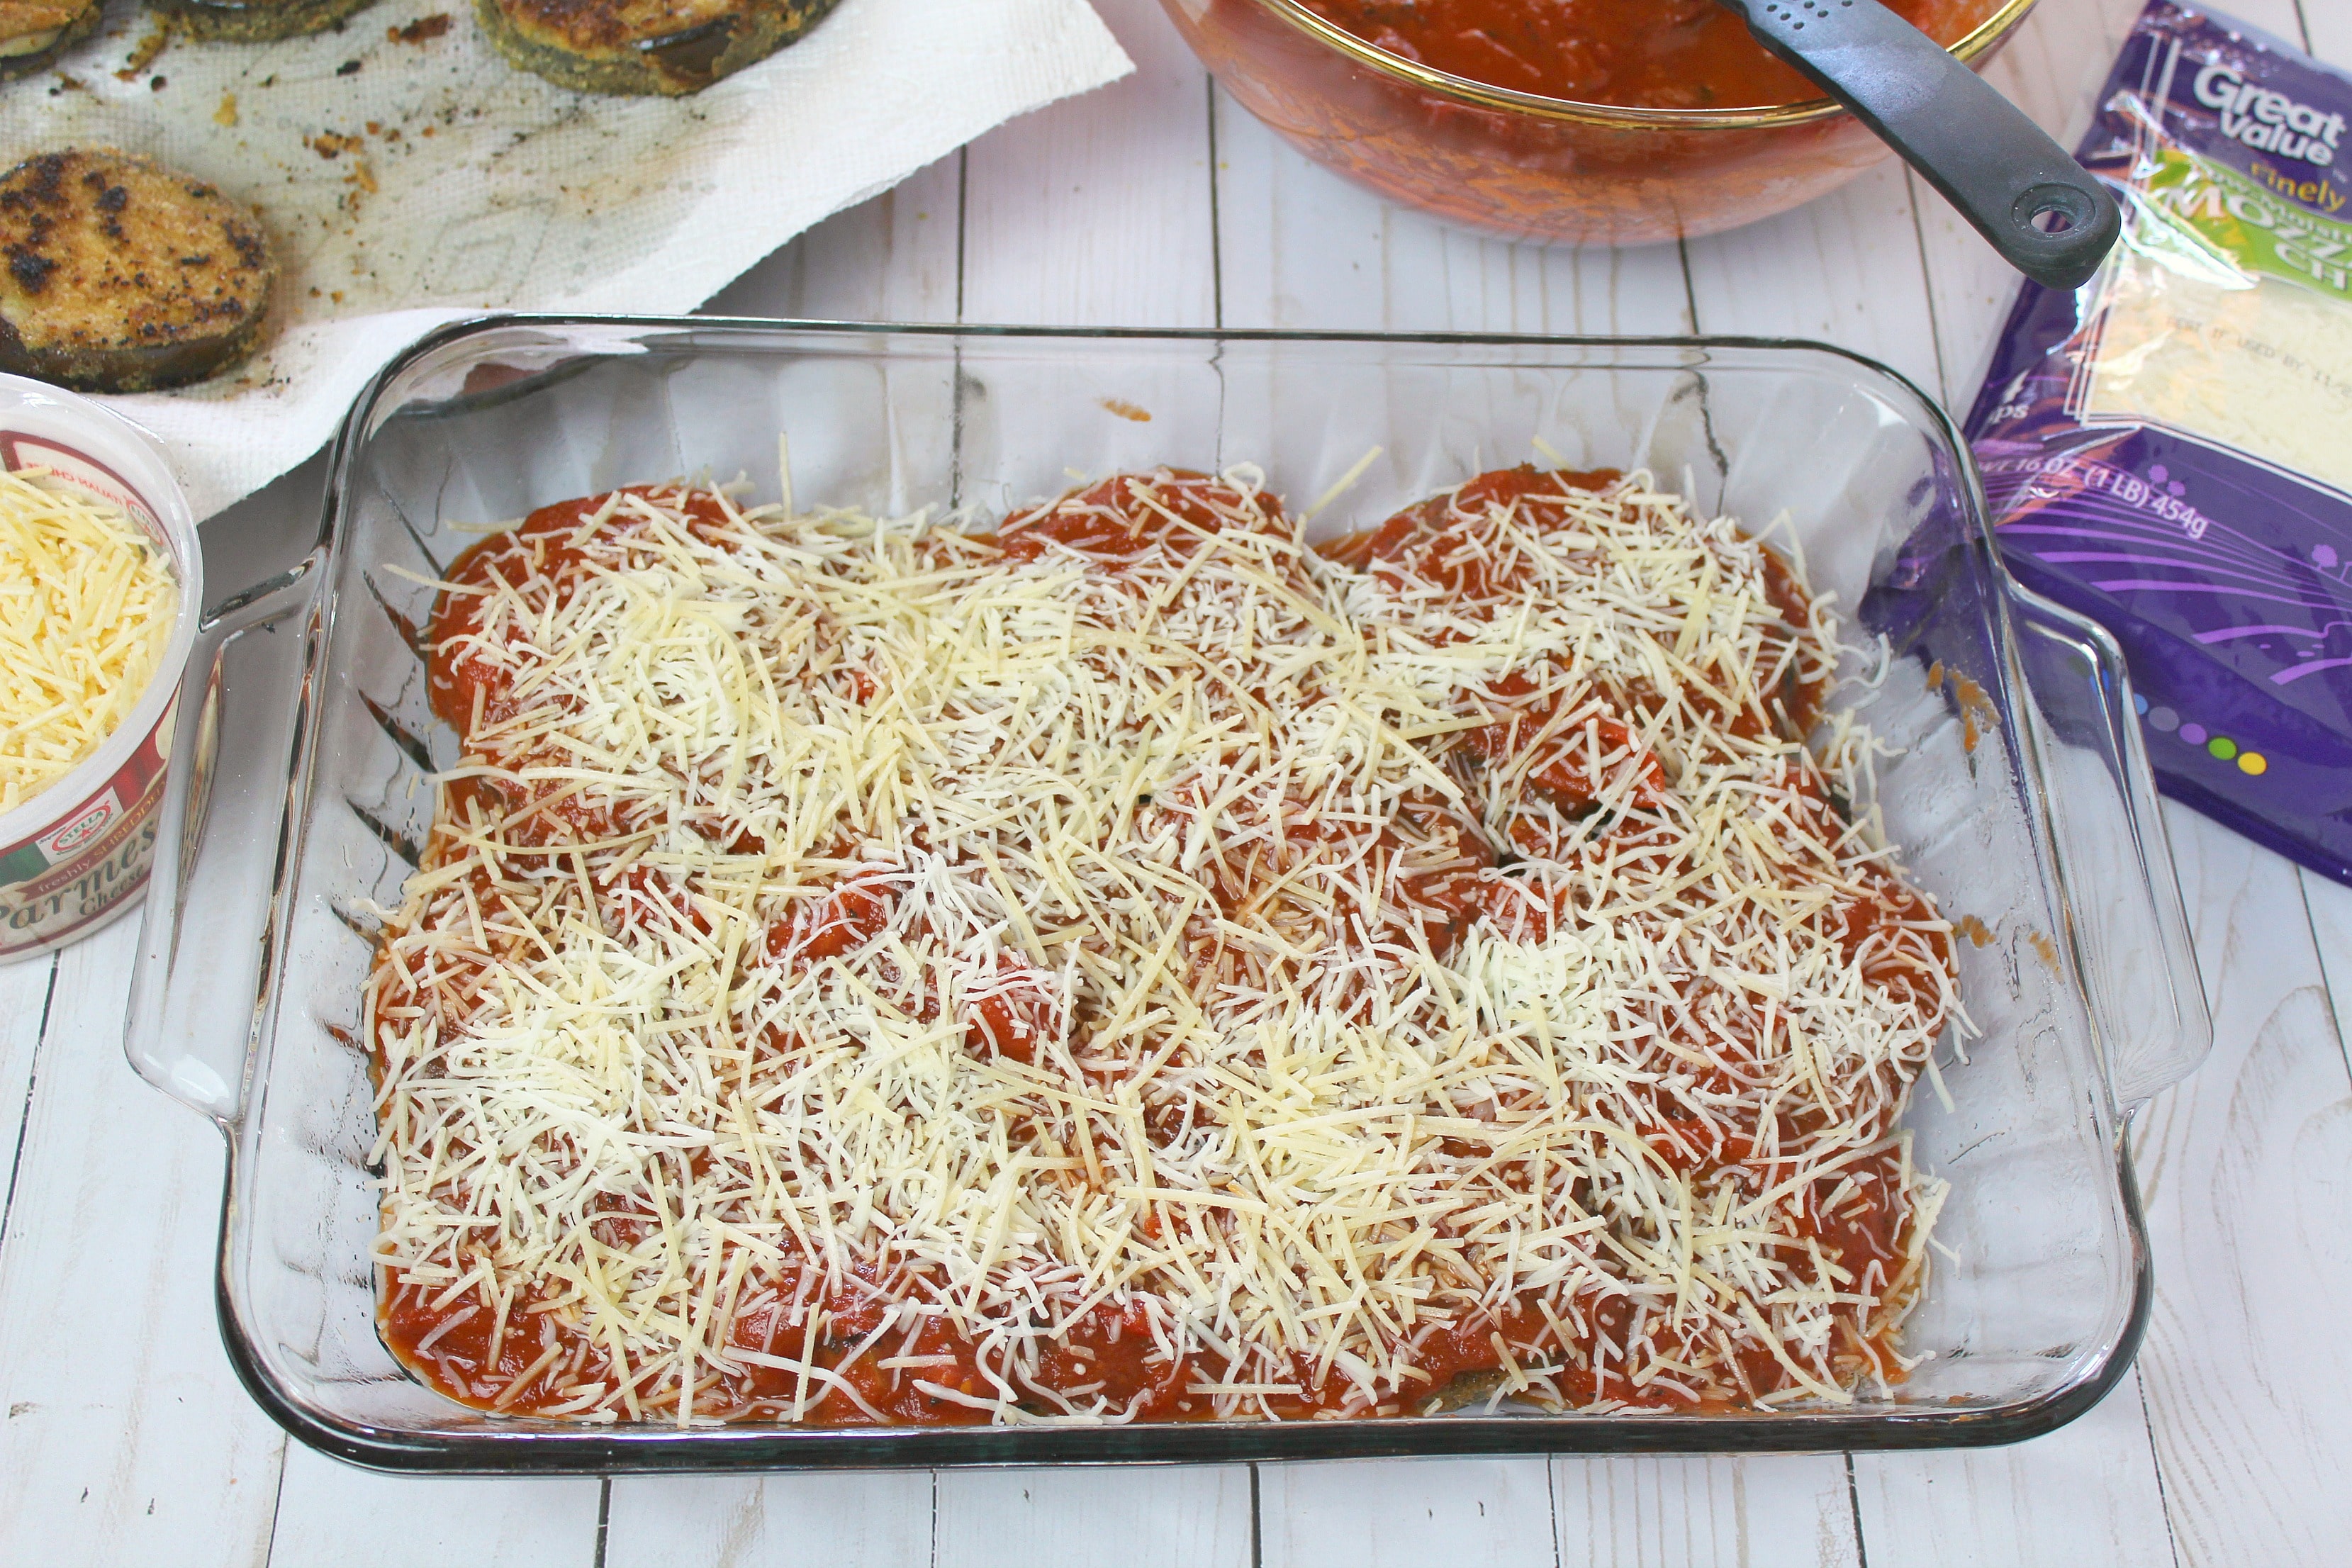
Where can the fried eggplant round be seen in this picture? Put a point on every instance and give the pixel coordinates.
(257, 21)
(120, 275)
(643, 46)
(34, 33)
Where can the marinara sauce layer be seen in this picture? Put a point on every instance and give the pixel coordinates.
(1135, 965)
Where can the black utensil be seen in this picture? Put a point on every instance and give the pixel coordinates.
(2032, 203)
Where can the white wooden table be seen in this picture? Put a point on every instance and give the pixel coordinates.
(127, 1441)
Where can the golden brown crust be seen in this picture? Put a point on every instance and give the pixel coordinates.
(119, 275)
(667, 47)
(595, 26)
(19, 18)
(257, 21)
(32, 33)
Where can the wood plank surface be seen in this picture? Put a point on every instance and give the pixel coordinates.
(24, 1004)
(1298, 247)
(1150, 1517)
(1845, 268)
(1097, 213)
(2327, 29)
(1406, 1513)
(893, 259)
(126, 1439)
(330, 1515)
(2248, 1169)
(767, 1521)
(2225, 1448)
(2329, 906)
(2086, 1496)
(1765, 1512)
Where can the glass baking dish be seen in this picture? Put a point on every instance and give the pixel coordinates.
(2017, 791)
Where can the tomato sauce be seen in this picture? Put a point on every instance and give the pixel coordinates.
(1458, 543)
(1121, 517)
(1573, 755)
(1652, 53)
(811, 1352)
(561, 544)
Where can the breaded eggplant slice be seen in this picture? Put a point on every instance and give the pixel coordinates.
(34, 33)
(257, 21)
(119, 275)
(667, 47)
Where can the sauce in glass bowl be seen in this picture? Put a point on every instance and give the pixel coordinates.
(1645, 54)
(1564, 161)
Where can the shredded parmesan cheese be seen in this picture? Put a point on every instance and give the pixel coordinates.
(85, 606)
(1136, 967)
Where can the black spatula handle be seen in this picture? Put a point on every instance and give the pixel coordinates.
(2036, 205)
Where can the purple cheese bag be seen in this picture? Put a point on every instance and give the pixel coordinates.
(2170, 449)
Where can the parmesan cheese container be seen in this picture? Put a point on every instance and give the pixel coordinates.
(75, 853)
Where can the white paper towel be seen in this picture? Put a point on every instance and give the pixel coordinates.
(429, 180)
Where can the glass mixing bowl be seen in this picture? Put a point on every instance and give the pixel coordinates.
(1526, 166)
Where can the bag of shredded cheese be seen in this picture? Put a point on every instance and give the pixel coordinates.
(2169, 449)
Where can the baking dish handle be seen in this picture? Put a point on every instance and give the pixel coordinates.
(2127, 926)
(206, 930)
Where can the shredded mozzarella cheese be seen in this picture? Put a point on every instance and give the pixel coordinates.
(844, 931)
